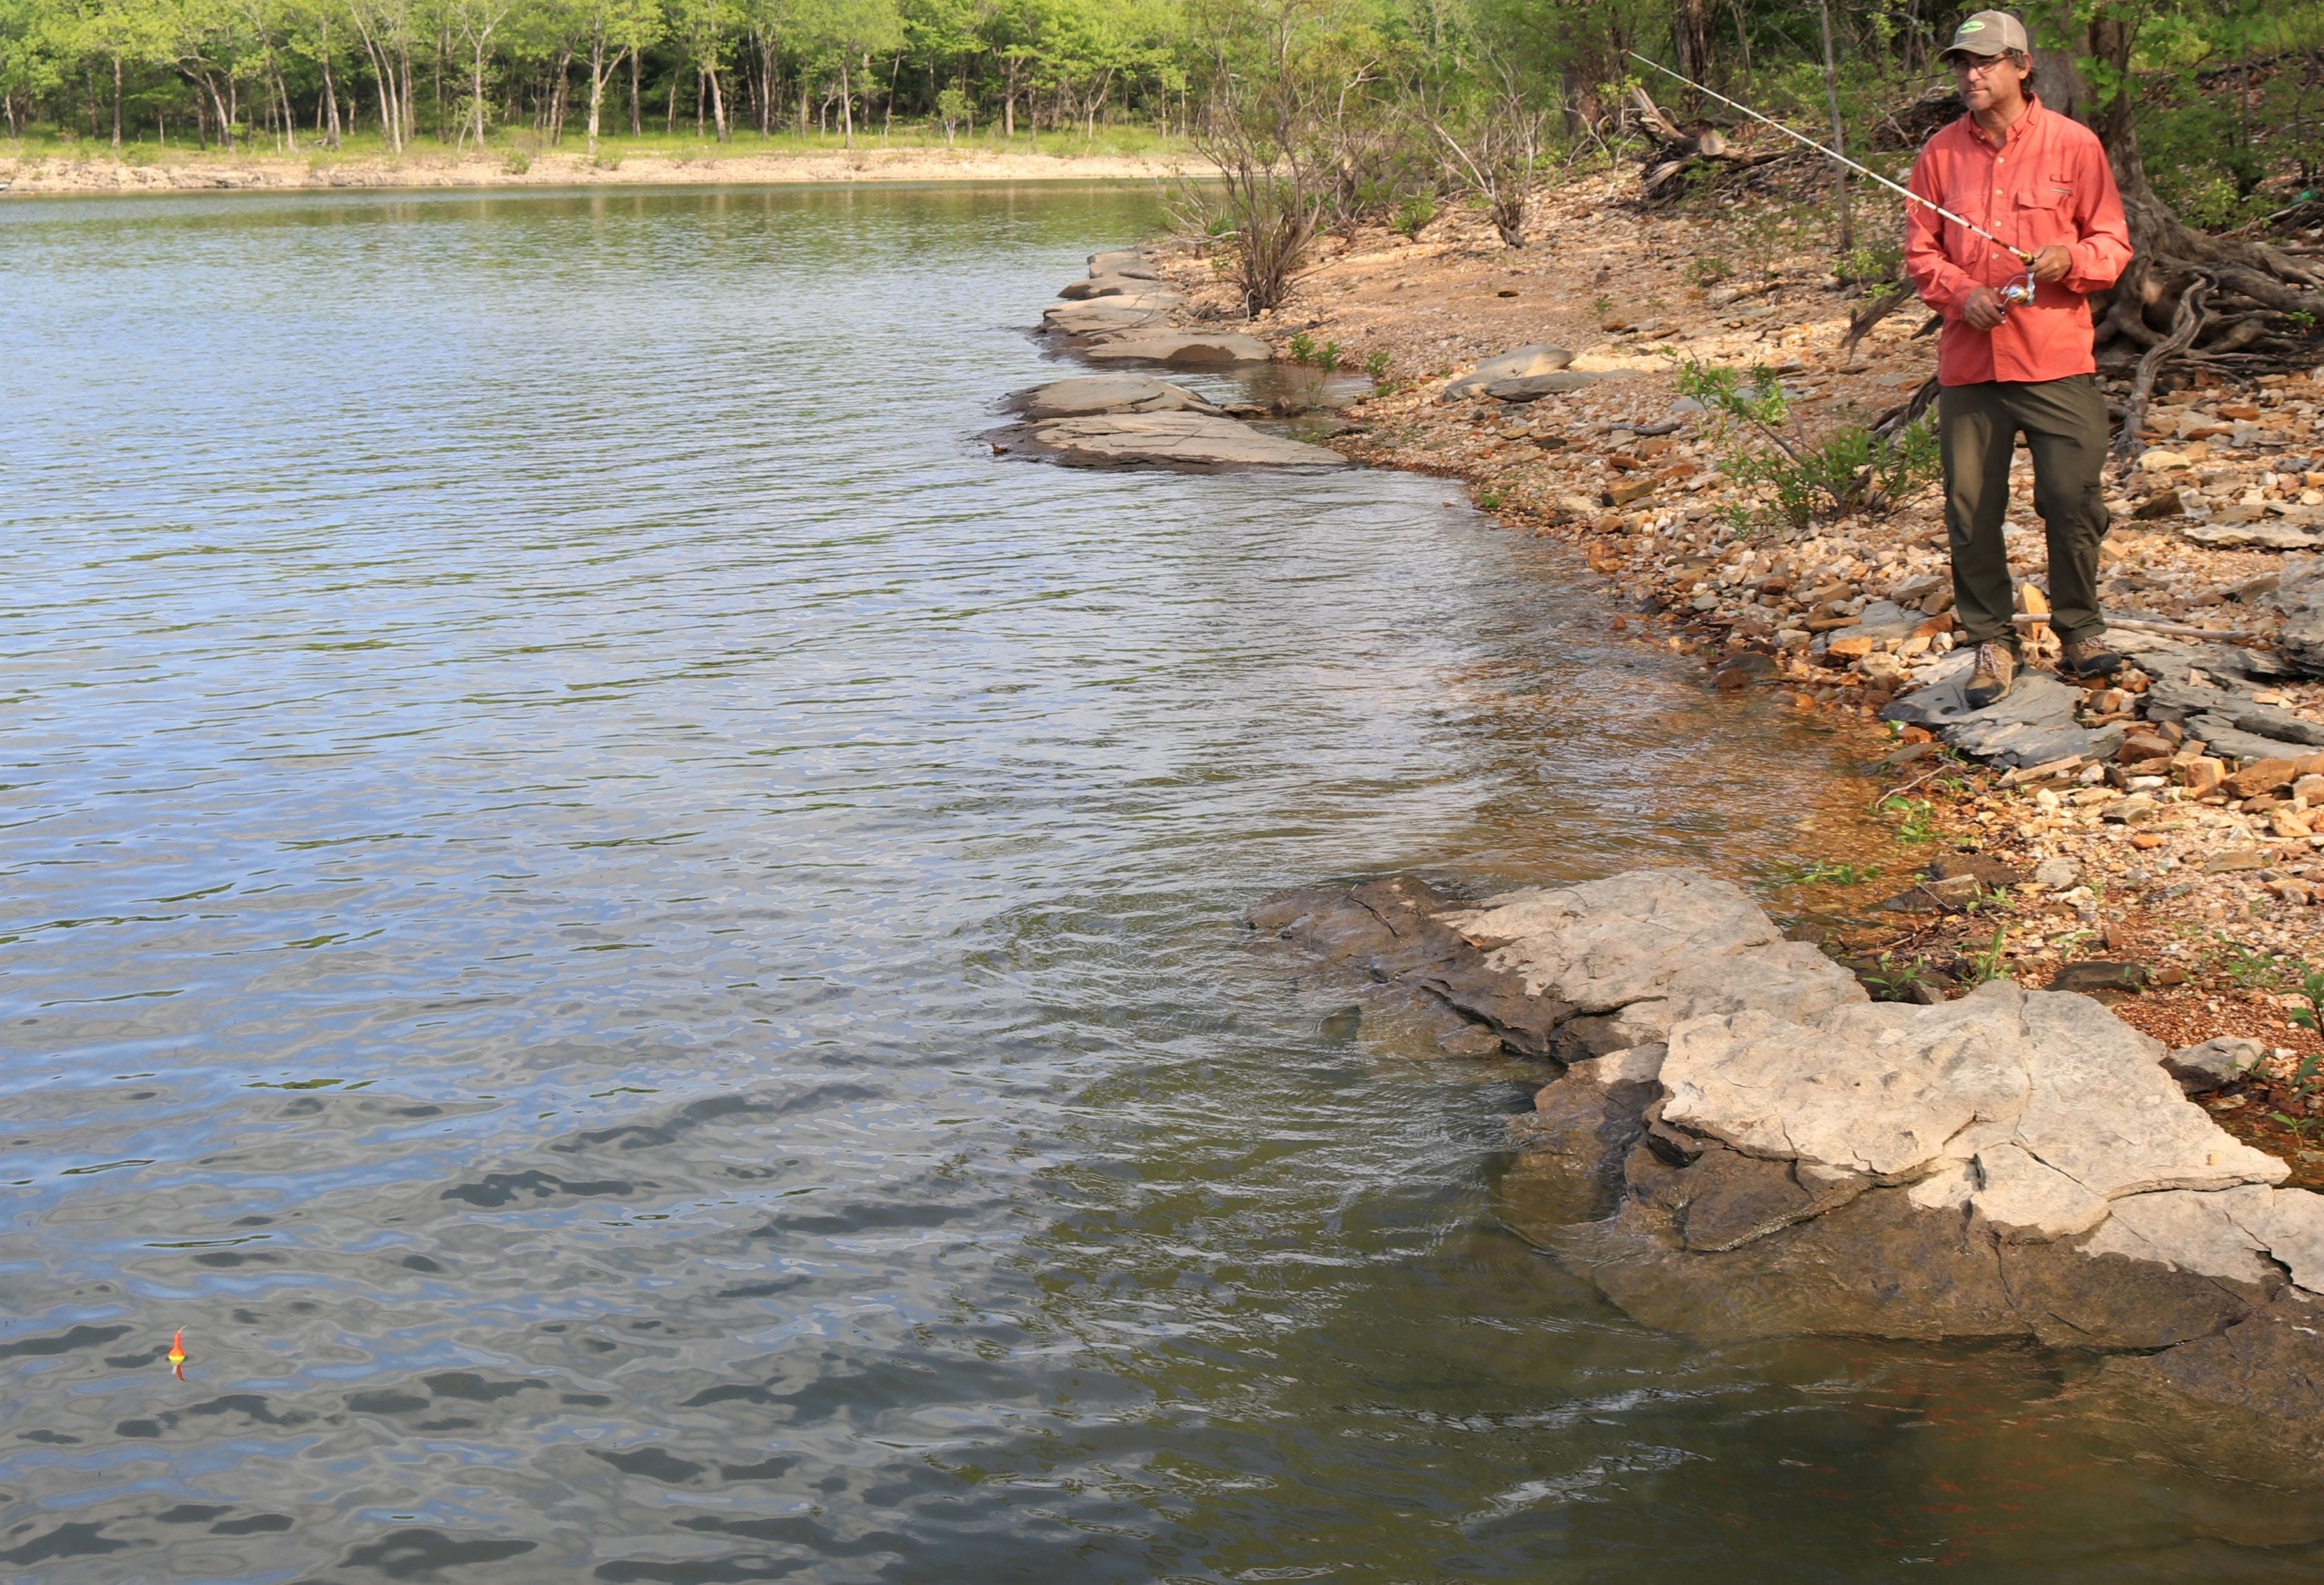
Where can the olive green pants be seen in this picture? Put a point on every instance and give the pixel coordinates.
(2064, 422)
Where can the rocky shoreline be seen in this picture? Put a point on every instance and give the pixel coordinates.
(1738, 1143)
(1121, 314)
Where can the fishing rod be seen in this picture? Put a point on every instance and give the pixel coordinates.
(2022, 257)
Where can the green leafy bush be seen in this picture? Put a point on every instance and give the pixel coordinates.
(1414, 214)
(1849, 470)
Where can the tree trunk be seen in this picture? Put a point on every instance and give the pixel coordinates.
(637, 125)
(1838, 133)
(846, 104)
(330, 88)
(116, 101)
(717, 103)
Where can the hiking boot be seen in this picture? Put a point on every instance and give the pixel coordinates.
(2088, 660)
(1990, 678)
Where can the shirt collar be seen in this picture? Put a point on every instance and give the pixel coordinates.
(2016, 133)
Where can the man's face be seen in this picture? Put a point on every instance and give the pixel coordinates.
(1990, 81)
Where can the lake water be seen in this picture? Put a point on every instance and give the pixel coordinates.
(638, 940)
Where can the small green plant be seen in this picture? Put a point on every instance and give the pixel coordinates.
(1989, 899)
(1818, 872)
(1890, 981)
(1709, 270)
(1916, 818)
(1602, 303)
(517, 163)
(2247, 970)
(2312, 991)
(1328, 358)
(1412, 216)
(2302, 321)
(1376, 365)
(1489, 500)
(1302, 348)
(1849, 470)
(1985, 963)
(1868, 263)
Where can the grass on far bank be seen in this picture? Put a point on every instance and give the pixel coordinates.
(516, 147)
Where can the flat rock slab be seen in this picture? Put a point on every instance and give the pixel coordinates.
(1108, 393)
(1524, 363)
(2259, 536)
(1107, 314)
(1190, 442)
(1184, 348)
(1534, 387)
(1098, 286)
(1761, 1150)
(2035, 725)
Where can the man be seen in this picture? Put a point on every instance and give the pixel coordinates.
(2040, 181)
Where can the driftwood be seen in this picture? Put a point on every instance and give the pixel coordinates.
(1861, 323)
(1680, 149)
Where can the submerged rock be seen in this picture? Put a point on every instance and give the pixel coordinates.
(1744, 1146)
(1195, 442)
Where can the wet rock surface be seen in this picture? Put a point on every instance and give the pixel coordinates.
(1187, 441)
(1108, 393)
(1744, 1146)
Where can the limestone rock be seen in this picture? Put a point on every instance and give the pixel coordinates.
(1108, 314)
(2024, 1199)
(1190, 442)
(1109, 286)
(2301, 597)
(2214, 1063)
(1524, 362)
(1108, 393)
(1183, 348)
(2188, 1230)
(1123, 261)
(2033, 726)
(2258, 535)
(1534, 387)
(1894, 1091)
(2290, 1223)
(2271, 1363)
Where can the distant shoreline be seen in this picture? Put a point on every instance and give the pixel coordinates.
(78, 173)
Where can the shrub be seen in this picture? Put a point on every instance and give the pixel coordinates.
(1412, 216)
(1849, 470)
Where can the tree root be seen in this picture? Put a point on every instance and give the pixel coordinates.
(2186, 323)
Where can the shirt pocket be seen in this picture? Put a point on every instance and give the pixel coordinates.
(2045, 217)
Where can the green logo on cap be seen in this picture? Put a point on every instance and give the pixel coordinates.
(1971, 27)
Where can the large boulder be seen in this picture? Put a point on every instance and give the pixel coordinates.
(1185, 348)
(1107, 393)
(1768, 1152)
(1524, 363)
(1188, 442)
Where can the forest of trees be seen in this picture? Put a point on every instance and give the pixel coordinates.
(1313, 111)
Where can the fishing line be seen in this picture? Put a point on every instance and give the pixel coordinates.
(2022, 256)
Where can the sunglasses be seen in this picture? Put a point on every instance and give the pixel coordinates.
(1965, 67)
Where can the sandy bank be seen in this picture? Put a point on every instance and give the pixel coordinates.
(195, 172)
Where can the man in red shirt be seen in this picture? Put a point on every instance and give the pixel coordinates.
(2010, 363)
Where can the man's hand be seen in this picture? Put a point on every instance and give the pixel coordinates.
(2052, 263)
(1982, 308)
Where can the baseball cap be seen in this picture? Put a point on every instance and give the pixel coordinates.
(1990, 33)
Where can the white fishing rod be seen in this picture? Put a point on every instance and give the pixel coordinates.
(2022, 257)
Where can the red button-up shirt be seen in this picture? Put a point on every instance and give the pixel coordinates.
(2049, 185)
